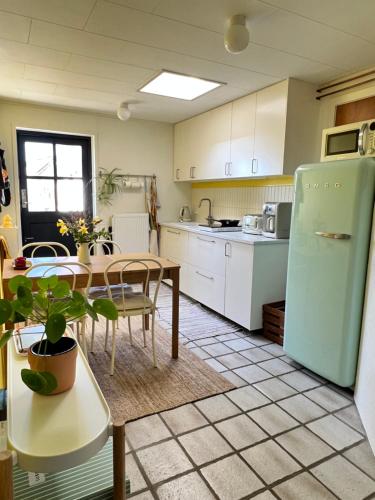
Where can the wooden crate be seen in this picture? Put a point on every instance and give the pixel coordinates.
(273, 321)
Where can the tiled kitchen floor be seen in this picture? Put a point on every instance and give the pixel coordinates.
(283, 433)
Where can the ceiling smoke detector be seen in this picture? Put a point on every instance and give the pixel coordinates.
(123, 111)
(236, 38)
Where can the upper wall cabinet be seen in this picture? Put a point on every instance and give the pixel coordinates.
(270, 132)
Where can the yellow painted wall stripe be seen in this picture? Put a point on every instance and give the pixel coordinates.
(282, 180)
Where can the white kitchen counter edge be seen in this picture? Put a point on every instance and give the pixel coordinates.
(237, 236)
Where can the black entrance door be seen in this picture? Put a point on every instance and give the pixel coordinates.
(55, 175)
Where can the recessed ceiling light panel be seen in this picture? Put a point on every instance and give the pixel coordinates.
(179, 86)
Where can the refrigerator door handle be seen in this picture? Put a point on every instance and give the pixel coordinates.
(334, 236)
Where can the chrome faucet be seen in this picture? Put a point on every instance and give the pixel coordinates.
(209, 219)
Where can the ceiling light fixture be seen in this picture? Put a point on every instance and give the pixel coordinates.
(236, 38)
(179, 86)
(123, 111)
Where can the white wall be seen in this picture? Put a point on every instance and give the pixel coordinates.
(135, 146)
(365, 384)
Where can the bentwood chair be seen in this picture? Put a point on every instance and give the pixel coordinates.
(51, 245)
(53, 268)
(129, 303)
(103, 246)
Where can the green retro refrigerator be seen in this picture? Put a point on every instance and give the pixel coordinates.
(328, 252)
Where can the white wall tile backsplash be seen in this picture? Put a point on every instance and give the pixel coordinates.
(233, 203)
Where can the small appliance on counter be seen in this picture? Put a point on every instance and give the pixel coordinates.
(185, 214)
(252, 223)
(276, 219)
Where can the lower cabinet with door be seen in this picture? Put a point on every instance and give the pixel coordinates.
(232, 278)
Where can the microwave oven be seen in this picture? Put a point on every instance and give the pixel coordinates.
(346, 142)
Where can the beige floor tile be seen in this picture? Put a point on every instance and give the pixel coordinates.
(304, 446)
(256, 355)
(334, 432)
(207, 341)
(247, 398)
(183, 419)
(198, 351)
(257, 339)
(303, 486)
(226, 336)
(270, 461)
(276, 366)
(252, 373)
(134, 474)
(302, 408)
(329, 399)
(146, 431)
(234, 360)
(363, 457)
(300, 381)
(204, 445)
(238, 344)
(188, 487)
(234, 379)
(274, 349)
(164, 460)
(215, 365)
(217, 407)
(275, 389)
(240, 431)
(146, 495)
(217, 349)
(266, 495)
(345, 480)
(273, 419)
(291, 361)
(231, 478)
(351, 417)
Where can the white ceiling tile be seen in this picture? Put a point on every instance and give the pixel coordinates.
(72, 13)
(75, 79)
(294, 34)
(346, 15)
(212, 14)
(12, 69)
(92, 95)
(33, 86)
(145, 5)
(29, 54)
(106, 69)
(13, 27)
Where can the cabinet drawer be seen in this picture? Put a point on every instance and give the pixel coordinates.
(207, 288)
(207, 252)
(173, 244)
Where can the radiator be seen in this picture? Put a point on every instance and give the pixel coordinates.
(131, 232)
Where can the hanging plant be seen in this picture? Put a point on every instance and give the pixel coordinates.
(110, 182)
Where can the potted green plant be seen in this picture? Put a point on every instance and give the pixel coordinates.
(52, 359)
(84, 231)
(109, 183)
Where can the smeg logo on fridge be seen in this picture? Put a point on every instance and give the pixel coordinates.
(323, 185)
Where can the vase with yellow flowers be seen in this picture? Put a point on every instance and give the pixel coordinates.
(84, 231)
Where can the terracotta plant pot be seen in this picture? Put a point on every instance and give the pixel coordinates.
(59, 359)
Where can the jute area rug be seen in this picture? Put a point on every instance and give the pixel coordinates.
(137, 388)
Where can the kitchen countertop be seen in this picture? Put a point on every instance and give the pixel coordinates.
(239, 236)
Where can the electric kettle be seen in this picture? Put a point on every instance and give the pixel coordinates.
(185, 215)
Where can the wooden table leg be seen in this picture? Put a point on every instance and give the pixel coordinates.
(175, 276)
(146, 291)
(6, 475)
(119, 461)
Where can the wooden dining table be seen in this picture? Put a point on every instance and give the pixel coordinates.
(134, 274)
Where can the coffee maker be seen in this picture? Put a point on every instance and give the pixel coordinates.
(276, 219)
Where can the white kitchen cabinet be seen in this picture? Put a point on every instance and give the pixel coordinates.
(207, 252)
(174, 246)
(270, 132)
(238, 282)
(270, 128)
(208, 288)
(242, 137)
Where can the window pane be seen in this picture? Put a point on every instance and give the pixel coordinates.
(70, 195)
(68, 160)
(40, 195)
(39, 158)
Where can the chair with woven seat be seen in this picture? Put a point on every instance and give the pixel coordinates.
(53, 268)
(130, 303)
(51, 245)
